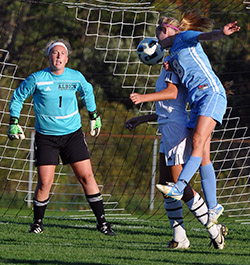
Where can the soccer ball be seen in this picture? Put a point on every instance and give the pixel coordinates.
(150, 51)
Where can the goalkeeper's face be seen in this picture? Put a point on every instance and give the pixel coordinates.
(58, 58)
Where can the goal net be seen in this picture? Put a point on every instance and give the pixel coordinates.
(104, 36)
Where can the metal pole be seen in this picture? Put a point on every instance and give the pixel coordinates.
(154, 164)
(31, 162)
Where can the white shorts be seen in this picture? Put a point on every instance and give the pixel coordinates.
(176, 143)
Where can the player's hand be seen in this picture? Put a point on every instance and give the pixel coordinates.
(94, 123)
(167, 66)
(230, 28)
(136, 98)
(15, 131)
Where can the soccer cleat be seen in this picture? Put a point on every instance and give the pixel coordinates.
(219, 241)
(214, 214)
(170, 190)
(224, 229)
(185, 244)
(106, 229)
(36, 228)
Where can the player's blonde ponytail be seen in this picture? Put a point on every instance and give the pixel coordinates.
(191, 20)
(194, 20)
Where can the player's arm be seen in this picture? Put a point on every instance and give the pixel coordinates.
(218, 34)
(87, 96)
(26, 88)
(134, 122)
(168, 93)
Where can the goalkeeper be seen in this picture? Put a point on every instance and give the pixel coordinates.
(58, 129)
(175, 147)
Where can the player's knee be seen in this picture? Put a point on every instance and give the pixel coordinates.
(45, 185)
(198, 142)
(86, 178)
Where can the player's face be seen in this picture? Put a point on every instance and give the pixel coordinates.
(161, 33)
(165, 37)
(164, 33)
(58, 58)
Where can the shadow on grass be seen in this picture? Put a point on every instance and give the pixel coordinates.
(54, 262)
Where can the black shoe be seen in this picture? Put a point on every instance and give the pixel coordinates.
(106, 229)
(36, 228)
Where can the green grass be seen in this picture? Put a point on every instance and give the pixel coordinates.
(137, 242)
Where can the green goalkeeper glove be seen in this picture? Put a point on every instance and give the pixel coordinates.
(94, 123)
(15, 131)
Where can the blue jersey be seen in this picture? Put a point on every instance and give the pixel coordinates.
(173, 110)
(191, 64)
(55, 101)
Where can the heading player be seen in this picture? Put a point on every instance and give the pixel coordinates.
(175, 148)
(206, 96)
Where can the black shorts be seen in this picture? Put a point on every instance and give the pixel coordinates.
(70, 147)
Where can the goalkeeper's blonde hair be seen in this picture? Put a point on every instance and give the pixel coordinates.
(191, 20)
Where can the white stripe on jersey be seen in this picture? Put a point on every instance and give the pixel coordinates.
(44, 83)
(204, 69)
(208, 104)
(67, 116)
(61, 117)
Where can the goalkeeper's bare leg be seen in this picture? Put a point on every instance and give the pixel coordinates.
(84, 173)
(41, 197)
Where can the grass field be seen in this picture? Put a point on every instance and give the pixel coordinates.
(136, 242)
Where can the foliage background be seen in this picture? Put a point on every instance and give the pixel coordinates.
(121, 159)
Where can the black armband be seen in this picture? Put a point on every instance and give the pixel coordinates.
(93, 115)
(13, 120)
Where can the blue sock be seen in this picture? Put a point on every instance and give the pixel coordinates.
(188, 171)
(208, 182)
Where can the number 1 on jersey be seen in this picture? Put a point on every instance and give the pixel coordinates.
(60, 101)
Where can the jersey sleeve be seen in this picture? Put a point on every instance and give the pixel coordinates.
(87, 94)
(191, 36)
(26, 88)
(171, 77)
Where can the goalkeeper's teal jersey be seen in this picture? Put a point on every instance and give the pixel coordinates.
(55, 101)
